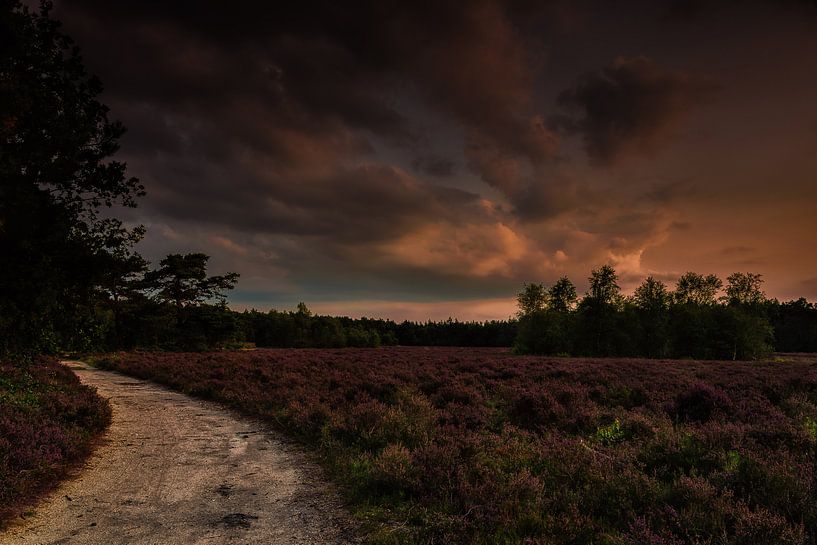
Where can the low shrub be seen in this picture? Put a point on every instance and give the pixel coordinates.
(48, 423)
(478, 446)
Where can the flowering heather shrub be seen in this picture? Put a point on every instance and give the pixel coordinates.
(47, 422)
(452, 445)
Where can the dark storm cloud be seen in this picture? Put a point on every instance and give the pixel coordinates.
(692, 10)
(310, 145)
(378, 201)
(434, 165)
(311, 65)
(627, 106)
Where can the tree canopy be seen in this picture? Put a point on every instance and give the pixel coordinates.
(654, 322)
(57, 175)
(182, 280)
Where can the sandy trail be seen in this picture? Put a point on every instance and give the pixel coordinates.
(176, 470)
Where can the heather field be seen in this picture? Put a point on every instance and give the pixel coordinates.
(454, 445)
(48, 422)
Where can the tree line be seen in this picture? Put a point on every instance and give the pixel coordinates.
(178, 307)
(692, 321)
(301, 328)
(701, 318)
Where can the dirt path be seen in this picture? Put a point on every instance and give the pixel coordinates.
(175, 470)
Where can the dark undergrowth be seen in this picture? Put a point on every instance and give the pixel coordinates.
(48, 425)
(477, 446)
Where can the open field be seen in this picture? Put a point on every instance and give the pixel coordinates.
(48, 423)
(451, 445)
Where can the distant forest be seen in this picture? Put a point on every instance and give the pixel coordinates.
(168, 309)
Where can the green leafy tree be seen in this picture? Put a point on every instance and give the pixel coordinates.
(745, 322)
(740, 333)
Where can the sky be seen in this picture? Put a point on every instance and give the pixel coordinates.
(414, 160)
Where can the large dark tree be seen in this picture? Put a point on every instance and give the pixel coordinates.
(56, 177)
(183, 291)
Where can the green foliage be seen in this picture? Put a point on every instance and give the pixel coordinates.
(610, 434)
(733, 460)
(811, 427)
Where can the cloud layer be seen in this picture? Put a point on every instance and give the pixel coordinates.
(627, 106)
(388, 151)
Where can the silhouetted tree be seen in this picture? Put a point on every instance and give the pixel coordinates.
(562, 295)
(744, 289)
(745, 323)
(652, 296)
(652, 301)
(604, 288)
(656, 323)
(533, 298)
(182, 280)
(56, 175)
(795, 325)
(697, 289)
(598, 332)
(122, 282)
